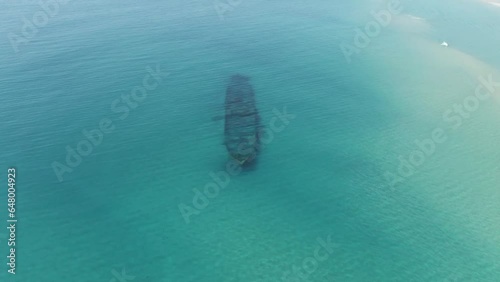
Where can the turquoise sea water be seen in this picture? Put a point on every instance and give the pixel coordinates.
(321, 176)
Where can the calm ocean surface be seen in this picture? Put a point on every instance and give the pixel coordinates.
(321, 177)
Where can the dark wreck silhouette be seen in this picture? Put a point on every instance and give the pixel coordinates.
(242, 121)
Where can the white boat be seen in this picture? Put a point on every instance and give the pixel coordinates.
(445, 44)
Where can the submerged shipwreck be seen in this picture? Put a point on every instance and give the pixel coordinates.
(242, 121)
